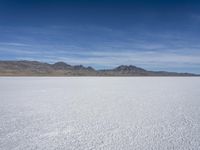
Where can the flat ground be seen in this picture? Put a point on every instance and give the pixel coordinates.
(99, 113)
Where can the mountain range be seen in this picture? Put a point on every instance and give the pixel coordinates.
(36, 68)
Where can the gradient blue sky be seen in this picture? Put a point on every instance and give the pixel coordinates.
(155, 35)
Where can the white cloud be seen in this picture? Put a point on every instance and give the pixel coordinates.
(13, 44)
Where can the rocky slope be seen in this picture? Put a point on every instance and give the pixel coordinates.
(35, 68)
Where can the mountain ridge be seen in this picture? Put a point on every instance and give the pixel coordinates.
(36, 68)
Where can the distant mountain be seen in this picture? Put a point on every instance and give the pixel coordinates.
(131, 70)
(35, 68)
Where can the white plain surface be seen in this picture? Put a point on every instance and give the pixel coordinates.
(144, 113)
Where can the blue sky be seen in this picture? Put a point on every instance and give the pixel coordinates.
(155, 35)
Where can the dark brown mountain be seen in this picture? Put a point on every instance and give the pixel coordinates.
(35, 68)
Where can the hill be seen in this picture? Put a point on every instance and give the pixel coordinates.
(35, 68)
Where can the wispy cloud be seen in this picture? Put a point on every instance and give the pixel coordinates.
(13, 44)
(105, 49)
(148, 60)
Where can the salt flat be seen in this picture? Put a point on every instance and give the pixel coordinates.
(99, 113)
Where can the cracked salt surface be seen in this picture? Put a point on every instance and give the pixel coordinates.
(99, 113)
